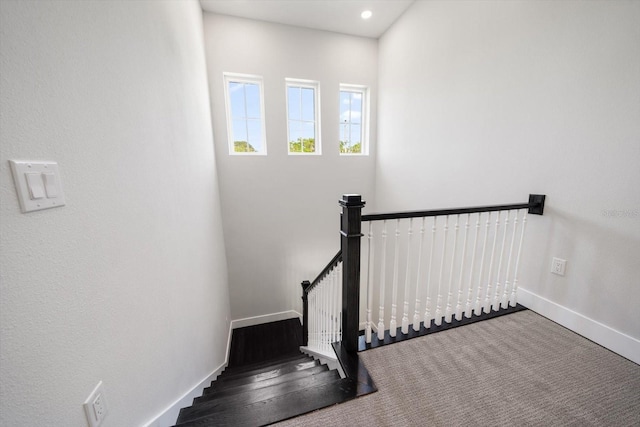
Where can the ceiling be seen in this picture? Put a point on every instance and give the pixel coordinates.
(341, 16)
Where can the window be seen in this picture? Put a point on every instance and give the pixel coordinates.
(354, 120)
(245, 114)
(303, 120)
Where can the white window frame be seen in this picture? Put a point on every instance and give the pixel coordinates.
(244, 78)
(309, 84)
(364, 122)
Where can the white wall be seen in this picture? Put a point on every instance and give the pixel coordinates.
(280, 212)
(485, 102)
(126, 283)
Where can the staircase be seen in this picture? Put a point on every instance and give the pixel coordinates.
(268, 380)
(263, 393)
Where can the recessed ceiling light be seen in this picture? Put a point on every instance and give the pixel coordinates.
(366, 14)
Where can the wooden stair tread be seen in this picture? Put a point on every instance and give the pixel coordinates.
(263, 376)
(284, 366)
(227, 403)
(235, 389)
(265, 363)
(280, 407)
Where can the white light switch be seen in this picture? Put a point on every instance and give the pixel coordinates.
(34, 183)
(50, 184)
(38, 185)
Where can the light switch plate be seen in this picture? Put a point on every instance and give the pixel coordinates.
(53, 196)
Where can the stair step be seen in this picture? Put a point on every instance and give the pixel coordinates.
(226, 403)
(265, 363)
(264, 375)
(213, 393)
(232, 376)
(255, 343)
(280, 407)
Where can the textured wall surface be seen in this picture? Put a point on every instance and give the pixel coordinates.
(127, 282)
(280, 212)
(485, 102)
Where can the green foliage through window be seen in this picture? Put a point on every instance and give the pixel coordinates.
(303, 145)
(348, 148)
(243, 147)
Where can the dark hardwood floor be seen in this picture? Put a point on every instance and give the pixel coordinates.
(253, 344)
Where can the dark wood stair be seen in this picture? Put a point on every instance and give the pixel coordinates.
(266, 392)
(268, 380)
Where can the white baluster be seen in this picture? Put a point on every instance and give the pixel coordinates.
(338, 308)
(320, 319)
(383, 279)
(468, 308)
(495, 304)
(327, 320)
(319, 296)
(416, 312)
(449, 310)
(339, 315)
(462, 259)
(329, 296)
(513, 299)
(318, 315)
(405, 312)
(334, 304)
(323, 313)
(478, 306)
(438, 319)
(504, 303)
(487, 299)
(394, 297)
(330, 307)
(310, 318)
(370, 264)
(332, 312)
(427, 305)
(313, 319)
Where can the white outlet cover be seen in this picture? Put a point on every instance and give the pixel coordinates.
(93, 414)
(558, 266)
(47, 178)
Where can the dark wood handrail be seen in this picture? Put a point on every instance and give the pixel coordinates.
(535, 206)
(334, 261)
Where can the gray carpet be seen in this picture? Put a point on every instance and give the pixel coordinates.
(520, 369)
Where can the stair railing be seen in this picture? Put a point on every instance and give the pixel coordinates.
(462, 263)
(322, 308)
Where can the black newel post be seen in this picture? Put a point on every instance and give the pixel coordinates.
(350, 227)
(305, 313)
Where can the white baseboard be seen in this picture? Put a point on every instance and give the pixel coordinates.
(169, 416)
(618, 342)
(265, 318)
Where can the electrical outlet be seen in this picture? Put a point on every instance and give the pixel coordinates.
(558, 266)
(95, 407)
